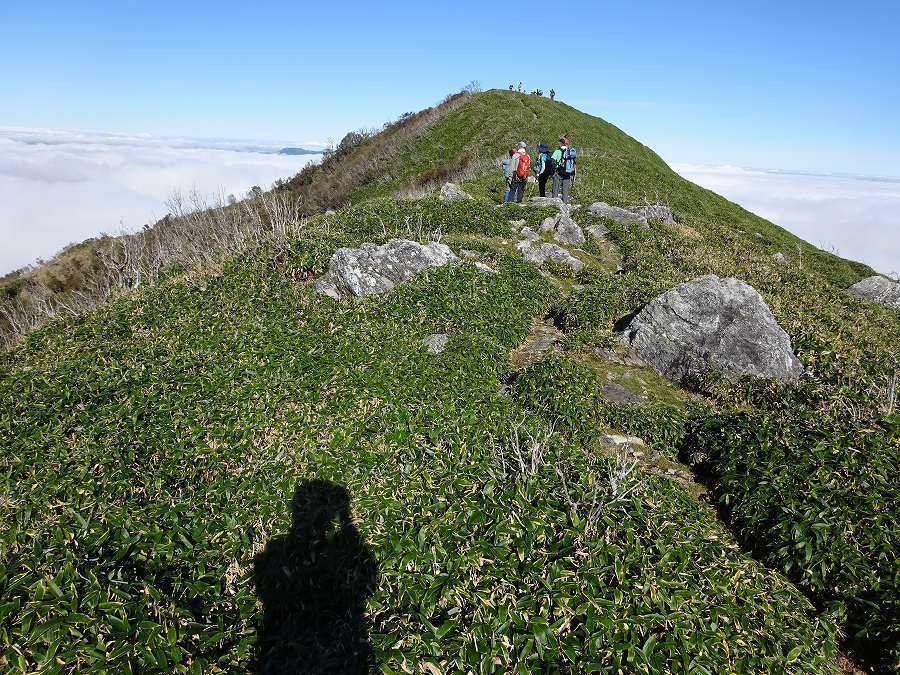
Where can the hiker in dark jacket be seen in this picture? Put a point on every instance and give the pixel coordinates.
(543, 168)
(519, 169)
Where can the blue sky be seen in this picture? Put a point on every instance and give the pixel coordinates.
(106, 108)
(806, 85)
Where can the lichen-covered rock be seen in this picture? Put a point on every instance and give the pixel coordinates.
(617, 214)
(639, 214)
(548, 252)
(597, 231)
(435, 342)
(487, 269)
(546, 201)
(530, 234)
(878, 289)
(654, 212)
(371, 269)
(780, 258)
(712, 324)
(564, 229)
(450, 192)
(567, 231)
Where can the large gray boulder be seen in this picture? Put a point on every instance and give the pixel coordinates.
(450, 192)
(371, 269)
(712, 324)
(616, 213)
(878, 289)
(548, 252)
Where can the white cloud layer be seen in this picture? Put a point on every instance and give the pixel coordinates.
(59, 187)
(856, 216)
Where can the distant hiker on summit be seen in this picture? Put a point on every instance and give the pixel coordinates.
(519, 168)
(563, 159)
(543, 168)
(552, 94)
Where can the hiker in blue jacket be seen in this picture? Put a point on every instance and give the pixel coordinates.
(507, 174)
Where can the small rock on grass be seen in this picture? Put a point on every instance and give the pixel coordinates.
(450, 192)
(597, 231)
(618, 394)
(548, 252)
(435, 342)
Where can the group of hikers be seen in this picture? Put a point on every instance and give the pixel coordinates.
(558, 165)
(536, 92)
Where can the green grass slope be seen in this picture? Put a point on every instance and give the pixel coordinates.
(184, 470)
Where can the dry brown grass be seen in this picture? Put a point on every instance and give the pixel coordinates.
(363, 157)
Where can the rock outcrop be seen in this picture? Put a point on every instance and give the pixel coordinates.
(640, 214)
(548, 252)
(450, 192)
(654, 212)
(371, 269)
(529, 234)
(597, 231)
(712, 324)
(878, 289)
(564, 229)
(547, 201)
(617, 213)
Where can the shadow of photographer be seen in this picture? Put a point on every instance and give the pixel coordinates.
(313, 583)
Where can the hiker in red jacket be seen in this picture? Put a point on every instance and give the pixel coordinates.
(519, 169)
(552, 94)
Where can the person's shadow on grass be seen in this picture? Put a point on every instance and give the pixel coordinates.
(313, 583)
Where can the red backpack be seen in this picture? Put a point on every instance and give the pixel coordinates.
(524, 165)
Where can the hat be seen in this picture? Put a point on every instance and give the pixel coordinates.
(542, 147)
(522, 144)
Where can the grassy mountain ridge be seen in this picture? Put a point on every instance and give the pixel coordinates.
(157, 448)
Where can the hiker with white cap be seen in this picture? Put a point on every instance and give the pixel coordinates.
(519, 168)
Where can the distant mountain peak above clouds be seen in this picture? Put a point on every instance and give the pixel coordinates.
(57, 137)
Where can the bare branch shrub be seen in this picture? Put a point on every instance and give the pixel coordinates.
(592, 495)
(368, 160)
(523, 453)
(892, 388)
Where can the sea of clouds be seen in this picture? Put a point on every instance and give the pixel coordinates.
(856, 216)
(59, 187)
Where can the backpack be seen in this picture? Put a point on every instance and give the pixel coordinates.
(524, 165)
(545, 163)
(567, 163)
